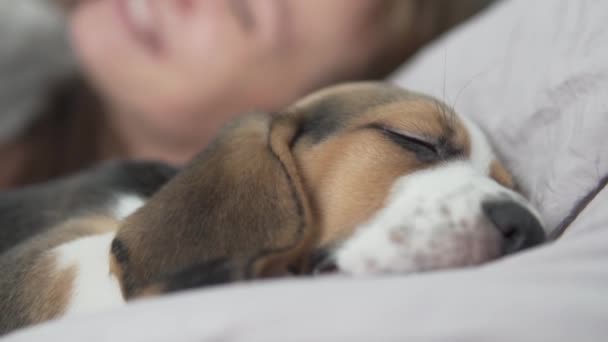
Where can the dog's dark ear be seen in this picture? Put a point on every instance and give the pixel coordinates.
(241, 201)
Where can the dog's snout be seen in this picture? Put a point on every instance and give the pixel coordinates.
(518, 226)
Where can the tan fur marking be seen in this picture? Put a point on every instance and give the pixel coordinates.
(48, 291)
(501, 175)
(151, 291)
(419, 117)
(117, 272)
(349, 175)
(461, 137)
(422, 117)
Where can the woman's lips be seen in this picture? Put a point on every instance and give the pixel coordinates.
(141, 21)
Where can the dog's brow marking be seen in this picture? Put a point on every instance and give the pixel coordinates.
(329, 115)
(448, 116)
(322, 122)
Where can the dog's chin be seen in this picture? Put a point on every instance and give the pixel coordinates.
(406, 250)
(406, 254)
(436, 220)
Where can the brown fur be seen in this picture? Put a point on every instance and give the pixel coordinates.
(501, 175)
(258, 202)
(273, 188)
(31, 288)
(349, 174)
(48, 291)
(238, 199)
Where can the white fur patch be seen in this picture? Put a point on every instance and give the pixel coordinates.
(126, 205)
(433, 219)
(482, 155)
(94, 288)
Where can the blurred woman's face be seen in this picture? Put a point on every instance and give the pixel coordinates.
(180, 62)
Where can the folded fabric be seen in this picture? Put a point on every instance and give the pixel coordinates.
(556, 293)
(534, 74)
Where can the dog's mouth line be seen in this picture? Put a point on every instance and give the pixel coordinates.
(325, 268)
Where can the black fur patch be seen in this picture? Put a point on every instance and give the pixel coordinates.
(210, 273)
(328, 115)
(120, 252)
(34, 209)
(324, 120)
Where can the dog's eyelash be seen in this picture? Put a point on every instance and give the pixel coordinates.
(424, 150)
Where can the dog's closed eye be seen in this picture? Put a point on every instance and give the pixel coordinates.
(424, 150)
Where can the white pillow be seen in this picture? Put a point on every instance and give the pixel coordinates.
(534, 74)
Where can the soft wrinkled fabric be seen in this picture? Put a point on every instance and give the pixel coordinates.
(555, 293)
(534, 74)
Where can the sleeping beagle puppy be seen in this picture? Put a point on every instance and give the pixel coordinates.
(362, 178)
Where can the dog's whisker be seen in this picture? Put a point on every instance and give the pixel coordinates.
(445, 74)
(467, 85)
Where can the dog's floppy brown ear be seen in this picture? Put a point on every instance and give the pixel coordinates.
(241, 202)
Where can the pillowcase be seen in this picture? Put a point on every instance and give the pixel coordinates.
(534, 75)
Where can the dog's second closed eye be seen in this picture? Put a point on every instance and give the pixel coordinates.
(361, 178)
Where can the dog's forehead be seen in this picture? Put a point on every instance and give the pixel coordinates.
(326, 112)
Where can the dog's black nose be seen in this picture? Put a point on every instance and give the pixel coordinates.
(519, 227)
